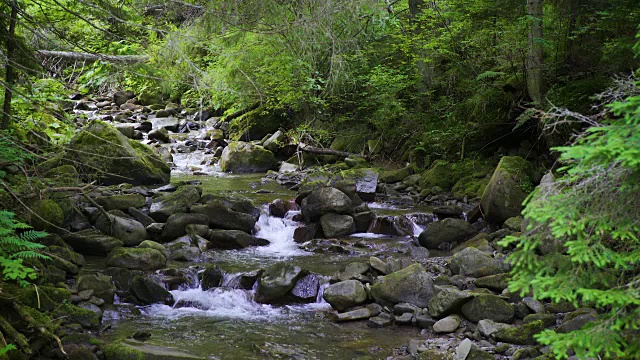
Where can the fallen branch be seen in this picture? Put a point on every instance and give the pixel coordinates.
(77, 56)
(239, 113)
(324, 151)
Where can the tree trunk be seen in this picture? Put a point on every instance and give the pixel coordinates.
(9, 78)
(535, 53)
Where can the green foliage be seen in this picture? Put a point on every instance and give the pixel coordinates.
(582, 242)
(16, 248)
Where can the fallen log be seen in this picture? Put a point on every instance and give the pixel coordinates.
(77, 56)
(324, 151)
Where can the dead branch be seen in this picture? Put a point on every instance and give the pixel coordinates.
(77, 56)
(323, 151)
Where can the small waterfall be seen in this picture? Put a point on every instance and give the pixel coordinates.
(279, 231)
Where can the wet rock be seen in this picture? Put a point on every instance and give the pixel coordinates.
(242, 157)
(490, 307)
(533, 304)
(129, 231)
(121, 202)
(101, 151)
(137, 350)
(448, 211)
(306, 289)
(378, 265)
(403, 308)
(223, 217)
(351, 271)
(179, 201)
(496, 282)
(168, 123)
(489, 327)
(475, 263)
(142, 218)
(92, 242)
(100, 285)
(547, 319)
(363, 220)
(345, 294)
(146, 292)
(447, 301)
(233, 239)
(182, 249)
(404, 319)
(366, 312)
(136, 258)
(412, 285)
(212, 277)
(176, 224)
(323, 201)
(380, 321)
(392, 225)
(425, 321)
(148, 244)
(366, 182)
(504, 195)
(305, 233)
(276, 281)
(520, 335)
(447, 325)
(446, 231)
(279, 207)
(334, 225)
(160, 135)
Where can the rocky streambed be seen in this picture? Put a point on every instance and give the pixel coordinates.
(228, 262)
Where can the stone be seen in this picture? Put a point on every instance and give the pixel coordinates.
(146, 292)
(100, 285)
(222, 217)
(557, 308)
(345, 294)
(50, 215)
(101, 152)
(233, 239)
(182, 249)
(447, 325)
(445, 231)
(306, 289)
(136, 258)
(412, 284)
(378, 265)
(578, 322)
(212, 277)
(366, 312)
(366, 182)
(242, 157)
(161, 135)
(140, 351)
(121, 97)
(325, 200)
(129, 231)
(363, 220)
(404, 319)
(520, 335)
(507, 190)
(490, 307)
(514, 223)
(351, 271)
(304, 233)
(380, 321)
(334, 225)
(489, 327)
(533, 304)
(127, 130)
(276, 281)
(121, 202)
(475, 263)
(463, 350)
(447, 301)
(275, 141)
(425, 321)
(67, 254)
(148, 244)
(176, 224)
(92, 242)
(497, 282)
(168, 123)
(72, 314)
(393, 176)
(178, 201)
(547, 319)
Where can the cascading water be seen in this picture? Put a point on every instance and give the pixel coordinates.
(279, 231)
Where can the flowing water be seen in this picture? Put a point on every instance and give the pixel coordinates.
(226, 323)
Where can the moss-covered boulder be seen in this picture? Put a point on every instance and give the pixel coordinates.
(439, 174)
(137, 258)
(412, 285)
(345, 294)
(475, 263)
(242, 157)
(47, 215)
(276, 281)
(121, 202)
(255, 125)
(135, 350)
(447, 301)
(178, 201)
(76, 315)
(393, 176)
(520, 335)
(507, 189)
(470, 187)
(92, 242)
(490, 307)
(129, 231)
(445, 232)
(101, 285)
(102, 153)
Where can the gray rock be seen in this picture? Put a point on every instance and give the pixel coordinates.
(503, 196)
(129, 231)
(351, 271)
(345, 294)
(223, 217)
(446, 231)
(212, 277)
(380, 321)
(378, 265)
(520, 335)
(147, 292)
(182, 249)
(488, 307)
(168, 123)
(447, 301)
(179, 201)
(463, 350)
(92, 242)
(363, 220)
(233, 239)
(475, 263)
(143, 218)
(306, 288)
(121, 97)
(148, 244)
(334, 225)
(404, 319)
(176, 224)
(136, 258)
(100, 285)
(276, 281)
(576, 323)
(161, 135)
(359, 314)
(242, 157)
(412, 285)
(121, 202)
(127, 130)
(275, 141)
(533, 304)
(323, 201)
(305, 233)
(447, 325)
(425, 321)
(489, 327)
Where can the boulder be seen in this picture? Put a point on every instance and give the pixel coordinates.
(496, 282)
(233, 239)
(366, 182)
(447, 301)
(92, 242)
(100, 284)
(176, 224)
(176, 202)
(323, 201)
(334, 225)
(222, 217)
(280, 208)
(146, 292)
(306, 289)
(140, 351)
(275, 141)
(212, 277)
(129, 231)
(489, 327)
(520, 335)
(49, 215)
(242, 157)
(304, 233)
(507, 190)
(101, 152)
(446, 231)
(447, 325)
(475, 263)
(276, 281)
(136, 258)
(353, 270)
(127, 130)
(345, 294)
(490, 307)
(121, 202)
(67, 254)
(366, 312)
(122, 96)
(182, 249)
(168, 123)
(412, 284)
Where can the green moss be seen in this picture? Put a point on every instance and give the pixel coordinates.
(520, 335)
(49, 216)
(120, 351)
(470, 186)
(76, 315)
(439, 174)
(42, 319)
(392, 176)
(255, 125)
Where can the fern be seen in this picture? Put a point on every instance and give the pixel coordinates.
(15, 248)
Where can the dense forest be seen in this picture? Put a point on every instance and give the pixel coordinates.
(513, 124)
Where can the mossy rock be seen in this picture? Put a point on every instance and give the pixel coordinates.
(45, 297)
(76, 315)
(393, 176)
(50, 215)
(242, 157)
(412, 285)
(255, 125)
(470, 187)
(520, 335)
(121, 202)
(101, 152)
(64, 171)
(134, 350)
(136, 258)
(439, 174)
(509, 186)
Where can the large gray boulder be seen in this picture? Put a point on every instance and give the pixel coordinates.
(345, 294)
(100, 284)
(176, 224)
(475, 263)
(489, 307)
(276, 281)
(101, 152)
(447, 301)
(92, 242)
(334, 225)
(233, 239)
(242, 157)
(146, 292)
(136, 258)
(176, 202)
(445, 231)
(129, 231)
(325, 200)
(507, 190)
(223, 217)
(412, 284)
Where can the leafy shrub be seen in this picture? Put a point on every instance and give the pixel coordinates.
(16, 248)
